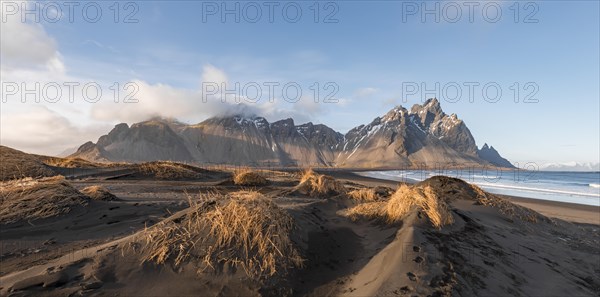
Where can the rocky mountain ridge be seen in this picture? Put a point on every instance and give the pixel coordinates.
(423, 137)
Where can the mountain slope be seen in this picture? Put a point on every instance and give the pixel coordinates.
(145, 141)
(491, 155)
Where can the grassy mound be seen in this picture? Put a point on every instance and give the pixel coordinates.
(363, 195)
(99, 193)
(369, 211)
(30, 199)
(370, 194)
(17, 164)
(249, 178)
(314, 184)
(166, 170)
(425, 198)
(454, 188)
(70, 162)
(432, 197)
(402, 202)
(241, 229)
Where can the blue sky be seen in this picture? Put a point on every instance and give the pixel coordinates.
(369, 53)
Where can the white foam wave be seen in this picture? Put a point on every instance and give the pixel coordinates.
(537, 190)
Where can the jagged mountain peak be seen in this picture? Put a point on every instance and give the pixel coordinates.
(431, 105)
(394, 114)
(237, 121)
(289, 122)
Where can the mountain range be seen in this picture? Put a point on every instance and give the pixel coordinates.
(423, 136)
(571, 166)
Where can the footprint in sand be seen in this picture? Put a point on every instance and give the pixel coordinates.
(416, 249)
(418, 259)
(404, 290)
(412, 276)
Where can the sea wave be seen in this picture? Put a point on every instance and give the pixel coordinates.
(503, 186)
(594, 185)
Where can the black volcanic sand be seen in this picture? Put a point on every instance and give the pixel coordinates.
(484, 253)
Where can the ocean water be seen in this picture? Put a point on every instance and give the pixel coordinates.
(573, 187)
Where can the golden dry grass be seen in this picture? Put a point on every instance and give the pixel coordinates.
(363, 195)
(369, 210)
(167, 170)
(315, 184)
(454, 188)
(98, 193)
(16, 165)
(432, 196)
(507, 208)
(70, 162)
(30, 199)
(402, 202)
(248, 177)
(242, 229)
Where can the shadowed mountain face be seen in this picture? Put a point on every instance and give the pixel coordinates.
(422, 137)
(491, 155)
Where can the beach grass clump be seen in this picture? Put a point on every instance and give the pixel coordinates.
(243, 229)
(314, 184)
(18, 165)
(506, 207)
(168, 170)
(368, 210)
(71, 162)
(249, 178)
(99, 193)
(432, 197)
(454, 188)
(364, 195)
(31, 199)
(405, 199)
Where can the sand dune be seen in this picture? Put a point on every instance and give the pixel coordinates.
(294, 236)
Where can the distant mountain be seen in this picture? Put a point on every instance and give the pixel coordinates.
(490, 154)
(67, 152)
(571, 166)
(422, 137)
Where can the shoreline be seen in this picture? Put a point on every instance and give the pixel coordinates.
(571, 212)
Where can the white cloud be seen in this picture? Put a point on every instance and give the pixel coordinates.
(27, 45)
(212, 74)
(193, 106)
(43, 131)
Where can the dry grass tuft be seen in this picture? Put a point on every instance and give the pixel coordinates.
(454, 188)
(99, 193)
(31, 199)
(17, 164)
(402, 202)
(507, 208)
(166, 170)
(314, 184)
(70, 162)
(242, 229)
(248, 177)
(432, 197)
(369, 211)
(364, 195)
(424, 198)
